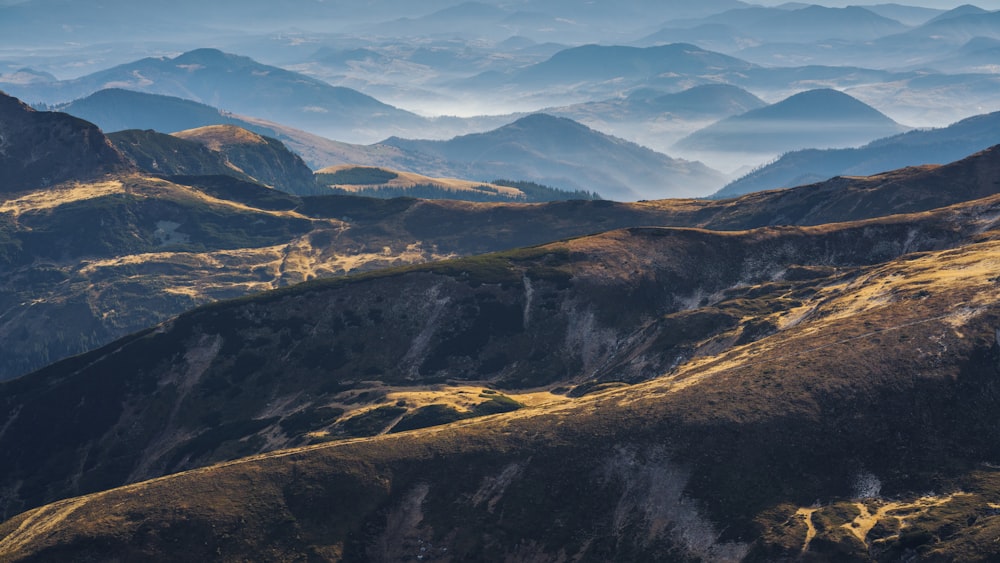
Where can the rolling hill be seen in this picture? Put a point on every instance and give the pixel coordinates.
(597, 68)
(822, 118)
(909, 149)
(220, 150)
(116, 109)
(804, 23)
(678, 394)
(102, 258)
(561, 153)
(384, 183)
(264, 159)
(700, 102)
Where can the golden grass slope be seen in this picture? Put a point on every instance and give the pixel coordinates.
(405, 180)
(820, 440)
(216, 137)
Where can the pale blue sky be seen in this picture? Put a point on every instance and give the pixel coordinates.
(941, 4)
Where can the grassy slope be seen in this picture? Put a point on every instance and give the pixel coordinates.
(881, 379)
(114, 240)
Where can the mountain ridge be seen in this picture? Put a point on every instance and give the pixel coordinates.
(908, 149)
(681, 425)
(566, 154)
(41, 148)
(816, 118)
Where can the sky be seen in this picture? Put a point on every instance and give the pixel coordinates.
(940, 4)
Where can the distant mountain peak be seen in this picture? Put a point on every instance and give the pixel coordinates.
(207, 55)
(820, 102)
(819, 118)
(963, 10)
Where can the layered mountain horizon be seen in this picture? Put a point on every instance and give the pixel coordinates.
(499, 281)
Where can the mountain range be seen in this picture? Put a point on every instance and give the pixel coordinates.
(562, 153)
(909, 149)
(816, 118)
(542, 149)
(240, 85)
(669, 393)
(251, 309)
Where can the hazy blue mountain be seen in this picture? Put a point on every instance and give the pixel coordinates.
(241, 85)
(712, 36)
(561, 153)
(817, 118)
(806, 24)
(737, 17)
(707, 101)
(819, 22)
(116, 109)
(908, 149)
(596, 65)
(904, 14)
(960, 11)
(468, 18)
(953, 28)
(981, 54)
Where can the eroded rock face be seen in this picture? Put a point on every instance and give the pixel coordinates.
(38, 149)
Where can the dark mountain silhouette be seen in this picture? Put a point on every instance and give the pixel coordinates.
(38, 149)
(816, 118)
(909, 149)
(561, 153)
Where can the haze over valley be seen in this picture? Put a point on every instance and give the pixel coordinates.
(510, 281)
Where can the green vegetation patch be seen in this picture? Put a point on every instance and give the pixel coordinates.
(358, 176)
(538, 193)
(430, 191)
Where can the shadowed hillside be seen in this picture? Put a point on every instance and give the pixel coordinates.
(709, 396)
(43, 148)
(99, 260)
